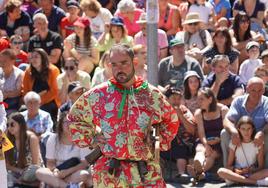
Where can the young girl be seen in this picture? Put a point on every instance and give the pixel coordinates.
(242, 160)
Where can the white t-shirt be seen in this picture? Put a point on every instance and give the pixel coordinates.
(60, 152)
(204, 11)
(97, 24)
(248, 68)
(245, 158)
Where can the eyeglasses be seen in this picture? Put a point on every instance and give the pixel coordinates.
(193, 23)
(71, 68)
(17, 42)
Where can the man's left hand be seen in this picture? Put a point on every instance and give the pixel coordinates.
(259, 139)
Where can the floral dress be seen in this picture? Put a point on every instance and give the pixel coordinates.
(124, 116)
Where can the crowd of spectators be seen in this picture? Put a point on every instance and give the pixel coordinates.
(212, 67)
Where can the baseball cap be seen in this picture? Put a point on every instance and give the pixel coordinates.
(176, 41)
(117, 21)
(73, 86)
(82, 22)
(171, 91)
(252, 44)
(72, 3)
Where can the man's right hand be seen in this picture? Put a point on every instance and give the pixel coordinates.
(221, 77)
(235, 138)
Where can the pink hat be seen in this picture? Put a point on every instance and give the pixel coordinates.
(82, 22)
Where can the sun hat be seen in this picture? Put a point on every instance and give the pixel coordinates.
(192, 17)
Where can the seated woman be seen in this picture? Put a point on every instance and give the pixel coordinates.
(103, 72)
(191, 85)
(25, 158)
(82, 46)
(209, 118)
(222, 44)
(114, 33)
(126, 9)
(245, 162)
(182, 146)
(65, 162)
(241, 34)
(41, 77)
(71, 74)
(37, 120)
(169, 18)
(11, 77)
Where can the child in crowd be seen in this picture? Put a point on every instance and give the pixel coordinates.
(248, 67)
(67, 23)
(182, 146)
(245, 162)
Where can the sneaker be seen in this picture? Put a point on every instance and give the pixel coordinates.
(263, 182)
(183, 178)
(73, 185)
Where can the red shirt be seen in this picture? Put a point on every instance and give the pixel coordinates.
(22, 57)
(66, 25)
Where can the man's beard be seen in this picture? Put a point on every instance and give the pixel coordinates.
(126, 78)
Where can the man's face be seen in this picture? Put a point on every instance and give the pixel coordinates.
(178, 50)
(40, 25)
(122, 66)
(255, 91)
(6, 62)
(221, 66)
(15, 14)
(46, 5)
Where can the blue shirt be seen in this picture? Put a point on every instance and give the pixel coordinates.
(227, 88)
(54, 18)
(259, 115)
(222, 4)
(41, 123)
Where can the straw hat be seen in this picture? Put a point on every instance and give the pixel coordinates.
(192, 17)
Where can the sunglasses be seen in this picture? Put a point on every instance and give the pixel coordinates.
(244, 21)
(11, 125)
(17, 42)
(193, 23)
(71, 68)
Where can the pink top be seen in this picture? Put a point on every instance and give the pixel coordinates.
(139, 38)
(165, 19)
(132, 27)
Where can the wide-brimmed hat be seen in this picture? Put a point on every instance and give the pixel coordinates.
(82, 22)
(192, 17)
(142, 18)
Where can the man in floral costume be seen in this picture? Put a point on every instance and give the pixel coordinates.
(124, 108)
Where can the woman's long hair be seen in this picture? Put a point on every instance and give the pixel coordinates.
(209, 93)
(10, 154)
(236, 26)
(43, 74)
(225, 32)
(87, 38)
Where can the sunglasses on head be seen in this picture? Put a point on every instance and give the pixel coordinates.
(71, 68)
(17, 42)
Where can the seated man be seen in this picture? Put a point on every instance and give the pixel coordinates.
(252, 104)
(171, 69)
(225, 85)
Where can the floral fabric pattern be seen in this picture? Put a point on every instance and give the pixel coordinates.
(125, 136)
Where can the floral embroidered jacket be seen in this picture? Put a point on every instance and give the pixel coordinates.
(124, 117)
